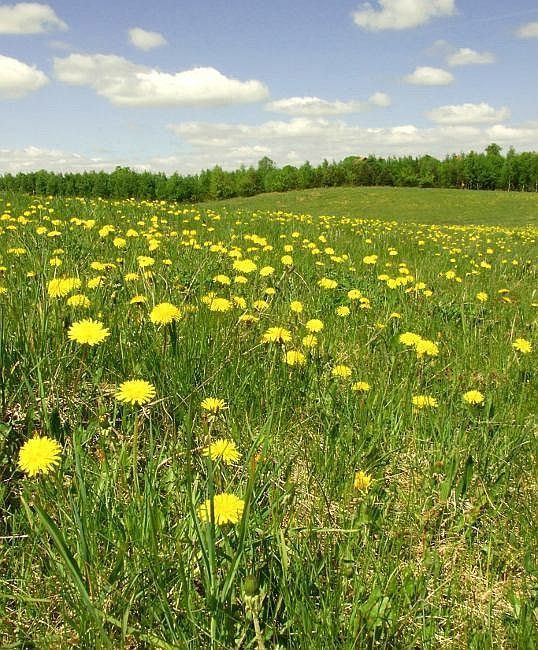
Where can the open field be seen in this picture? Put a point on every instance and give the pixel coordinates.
(432, 206)
(332, 438)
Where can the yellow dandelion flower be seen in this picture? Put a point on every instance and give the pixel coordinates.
(410, 339)
(135, 391)
(276, 335)
(361, 387)
(164, 313)
(424, 401)
(354, 294)
(266, 271)
(314, 325)
(522, 345)
(341, 371)
(294, 358)
(296, 307)
(369, 259)
(220, 305)
(327, 283)
(227, 509)
(78, 300)
(213, 405)
(482, 296)
(138, 300)
(39, 455)
(88, 331)
(222, 449)
(309, 341)
(244, 266)
(343, 311)
(287, 260)
(425, 347)
(474, 397)
(362, 481)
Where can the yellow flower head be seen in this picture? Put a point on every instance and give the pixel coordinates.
(135, 391)
(361, 387)
(213, 404)
(409, 339)
(473, 397)
(482, 296)
(227, 509)
(296, 306)
(522, 345)
(314, 325)
(39, 454)
(425, 347)
(343, 311)
(78, 300)
(220, 304)
(164, 313)
(88, 332)
(309, 341)
(354, 294)
(341, 371)
(294, 358)
(327, 283)
(424, 401)
(244, 266)
(222, 449)
(362, 481)
(276, 335)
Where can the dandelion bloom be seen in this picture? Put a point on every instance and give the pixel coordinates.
(424, 401)
(522, 345)
(266, 271)
(164, 313)
(341, 371)
(276, 335)
(314, 325)
(473, 397)
(222, 449)
(78, 300)
(362, 481)
(88, 332)
(296, 306)
(343, 311)
(425, 347)
(361, 387)
(409, 338)
(309, 341)
(60, 287)
(227, 508)
(327, 283)
(369, 259)
(287, 260)
(482, 296)
(244, 266)
(135, 391)
(354, 294)
(220, 305)
(213, 404)
(39, 454)
(294, 358)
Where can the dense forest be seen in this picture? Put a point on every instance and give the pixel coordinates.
(490, 170)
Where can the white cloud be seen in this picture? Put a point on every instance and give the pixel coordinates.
(29, 18)
(315, 107)
(203, 145)
(314, 139)
(467, 56)
(530, 30)
(468, 114)
(426, 76)
(380, 99)
(144, 40)
(18, 79)
(128, 84)
(401, 14)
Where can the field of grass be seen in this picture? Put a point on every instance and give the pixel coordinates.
(430, 206)
(331, 444)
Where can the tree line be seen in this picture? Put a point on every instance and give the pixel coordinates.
(488, 170)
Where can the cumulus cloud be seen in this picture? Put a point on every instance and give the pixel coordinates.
(126, 83)
(144, 40)
(529, 30)
(315, 107)
(401, 14)
(29, 18)
(18, 79)
(467, 56)
(203, 145)
(468, 114)
(426, 76)
(305, 138)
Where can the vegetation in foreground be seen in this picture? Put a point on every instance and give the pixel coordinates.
(264, 429)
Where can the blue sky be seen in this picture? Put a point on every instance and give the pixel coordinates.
(187, 85)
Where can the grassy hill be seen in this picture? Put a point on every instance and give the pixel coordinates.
(400, 203)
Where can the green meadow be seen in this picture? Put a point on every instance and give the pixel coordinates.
(332, 438)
